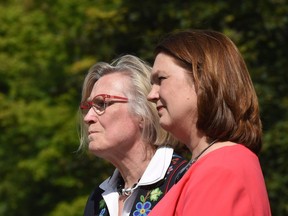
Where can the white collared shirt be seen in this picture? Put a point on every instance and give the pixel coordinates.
(154, 172)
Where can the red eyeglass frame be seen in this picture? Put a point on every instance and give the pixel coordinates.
(87, 105)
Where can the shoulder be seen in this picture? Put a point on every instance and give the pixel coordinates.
(235, 160)
(177, 159)
(93, 202)
(177, 164)
(226, 166)
(234, 169)
(224, 180)
(227, 156)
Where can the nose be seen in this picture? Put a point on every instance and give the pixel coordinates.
(90, 117)
(153, 95)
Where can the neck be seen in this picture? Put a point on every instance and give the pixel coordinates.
(132, 165)
(193, 160)
(198, 145)
(131, 172)
(203, 151)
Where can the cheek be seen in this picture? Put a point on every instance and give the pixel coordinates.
(166, 90)
(121, 125)
(122, 135)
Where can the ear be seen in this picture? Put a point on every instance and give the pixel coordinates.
(141, 122)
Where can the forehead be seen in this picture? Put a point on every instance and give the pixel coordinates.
(167, 65)
(114, 83)
(160, 61)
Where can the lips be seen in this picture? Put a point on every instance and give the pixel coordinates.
(92, 135)
(159, 108)
(91, 132)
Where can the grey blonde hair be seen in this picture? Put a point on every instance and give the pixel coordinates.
(139, 72)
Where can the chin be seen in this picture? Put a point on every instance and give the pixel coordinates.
(93, 149)
(95, 152)
(165, 126)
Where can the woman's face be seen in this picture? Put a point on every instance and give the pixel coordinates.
(175, 97)
(112, 133)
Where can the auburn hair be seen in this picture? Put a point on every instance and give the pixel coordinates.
(227, 106)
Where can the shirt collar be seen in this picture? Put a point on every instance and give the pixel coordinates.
(157, 167)
(154, 172)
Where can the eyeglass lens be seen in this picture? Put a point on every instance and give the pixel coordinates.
(99, 103)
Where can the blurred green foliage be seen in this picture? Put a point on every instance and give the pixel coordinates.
(46, 48)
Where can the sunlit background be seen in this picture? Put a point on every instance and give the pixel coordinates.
(46, 48)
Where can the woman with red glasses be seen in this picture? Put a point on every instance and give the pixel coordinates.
(122, 127)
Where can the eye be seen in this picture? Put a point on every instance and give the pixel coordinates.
(157, 78)
(161, 78)
(99, 103)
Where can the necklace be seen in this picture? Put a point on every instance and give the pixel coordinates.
(192, 161)
(124, 191)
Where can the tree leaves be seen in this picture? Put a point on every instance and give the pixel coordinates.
(46, 48)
